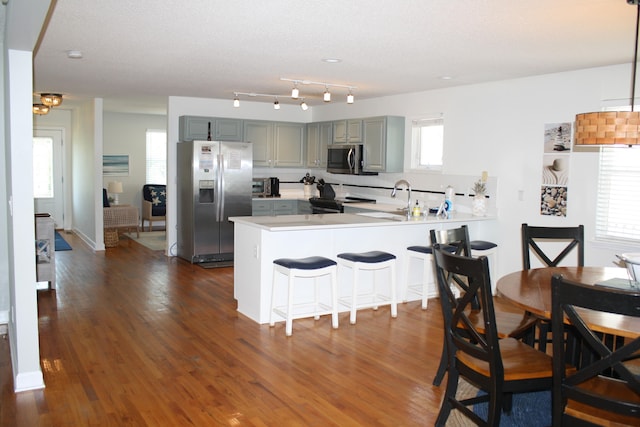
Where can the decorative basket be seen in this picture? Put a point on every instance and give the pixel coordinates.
(111, 238)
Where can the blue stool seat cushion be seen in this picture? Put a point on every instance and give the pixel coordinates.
(481, 245)
(429, 249)
(371, 257)
(309, 263)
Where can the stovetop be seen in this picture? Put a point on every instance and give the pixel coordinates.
(348, 199)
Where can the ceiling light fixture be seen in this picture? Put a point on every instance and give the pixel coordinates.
(40, 109)
(304, 105)
(51, 99)
(236, 100)
(613, 127)
(276, 105)
(327, 94)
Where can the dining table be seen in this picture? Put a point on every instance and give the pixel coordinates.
(531, 291)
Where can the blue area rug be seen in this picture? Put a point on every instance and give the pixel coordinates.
(529, 410)
(61, 244)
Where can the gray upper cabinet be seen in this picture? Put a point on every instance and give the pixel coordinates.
(192, 128)
(347, 131)
(260, 135)
(289, 145)
(276, 144)
(319, 136)
(383, 144)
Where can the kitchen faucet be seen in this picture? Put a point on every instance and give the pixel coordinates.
(395, 189)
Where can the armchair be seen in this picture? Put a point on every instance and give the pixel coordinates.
(154, 203)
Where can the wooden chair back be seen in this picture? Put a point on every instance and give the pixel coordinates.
(532, 235)
(605, 387)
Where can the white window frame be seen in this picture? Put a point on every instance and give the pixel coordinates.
(156, 157)
(432, 146)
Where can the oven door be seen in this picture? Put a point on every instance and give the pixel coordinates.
(325, 206)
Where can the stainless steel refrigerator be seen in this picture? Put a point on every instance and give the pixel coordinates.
(214, 183)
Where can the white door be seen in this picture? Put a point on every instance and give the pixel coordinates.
(48, 190)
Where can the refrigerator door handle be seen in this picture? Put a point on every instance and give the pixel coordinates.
(221, 190)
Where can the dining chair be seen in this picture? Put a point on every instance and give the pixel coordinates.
(498, 367)
(570, 239)
(512, 322)
(585, 395)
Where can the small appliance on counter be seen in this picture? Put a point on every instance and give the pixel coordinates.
(327, 202)
(265, 187)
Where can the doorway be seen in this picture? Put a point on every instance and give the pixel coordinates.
(48, 188)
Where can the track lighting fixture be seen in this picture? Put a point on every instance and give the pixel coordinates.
(236, 101)
(276, 105)
(295, 93)
(304, 105)
(327, 95)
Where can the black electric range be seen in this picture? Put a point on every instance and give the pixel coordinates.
(323, 206)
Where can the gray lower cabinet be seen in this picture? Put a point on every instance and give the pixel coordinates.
(261, 207)
(192, 128)
(304, 207)
(319, 136)
(276, 144)
(383, 139)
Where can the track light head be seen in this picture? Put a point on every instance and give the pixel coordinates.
(327, 95)
(236, 101)
(295, 93)
(276, 105)
(350, 98)
(304, 105)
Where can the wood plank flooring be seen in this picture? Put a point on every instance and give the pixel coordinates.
(133, 338)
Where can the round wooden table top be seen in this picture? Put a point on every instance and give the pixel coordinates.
(531, 291)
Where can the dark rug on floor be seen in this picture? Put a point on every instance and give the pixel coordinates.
(61, 244)
(529, 410)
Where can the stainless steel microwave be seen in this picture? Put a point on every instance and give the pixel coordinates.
(345, 159)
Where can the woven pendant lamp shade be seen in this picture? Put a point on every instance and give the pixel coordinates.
(608, 128)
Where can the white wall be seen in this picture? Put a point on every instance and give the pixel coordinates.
(497, 127)
(126, 134)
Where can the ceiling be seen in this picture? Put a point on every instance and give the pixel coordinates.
(136, 53)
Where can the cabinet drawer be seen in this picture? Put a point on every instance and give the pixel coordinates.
(287, 207)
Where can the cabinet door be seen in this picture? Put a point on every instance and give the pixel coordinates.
(228, 130)
(374, 145)
(285, 207)
(261, 207)
(192, 128)
(325, 138)
(340, 131)
(289, 145)
(313, 145)
(260, 134)
(354, 130)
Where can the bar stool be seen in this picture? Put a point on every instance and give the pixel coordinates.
(423, 254)
(490, 250)
(369, 261)
(310, 267)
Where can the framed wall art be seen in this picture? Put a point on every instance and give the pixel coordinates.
(115, 165)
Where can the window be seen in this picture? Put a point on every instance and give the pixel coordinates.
(427, 143)
(618, 200)
(42, 167)
(156, 156)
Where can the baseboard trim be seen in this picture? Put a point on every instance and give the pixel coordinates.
(29, 381)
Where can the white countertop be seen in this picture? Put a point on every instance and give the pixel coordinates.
(345, 220)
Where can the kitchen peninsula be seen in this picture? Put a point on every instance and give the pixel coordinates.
(261, 239)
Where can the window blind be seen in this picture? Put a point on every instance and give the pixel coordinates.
(618, 203)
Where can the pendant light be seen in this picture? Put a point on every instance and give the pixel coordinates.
(613, 127)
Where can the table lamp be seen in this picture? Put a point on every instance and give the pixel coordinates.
(115, 188)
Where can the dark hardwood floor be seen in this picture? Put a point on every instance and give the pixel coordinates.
(133, 338)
